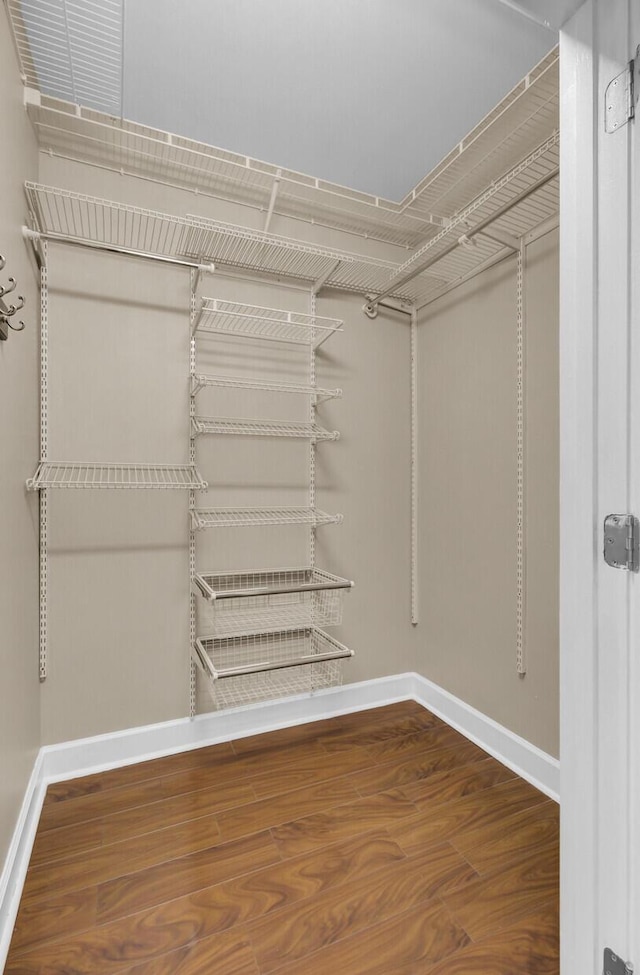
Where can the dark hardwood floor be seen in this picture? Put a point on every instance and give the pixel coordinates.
(381, 842)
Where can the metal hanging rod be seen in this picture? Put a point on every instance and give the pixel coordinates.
(423, 266)
(37, 235)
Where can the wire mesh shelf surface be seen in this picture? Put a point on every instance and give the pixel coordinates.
(254, 321)
(239, 603)
(77, 475)
(238, 426)
(246, 669)
(200, 382)
(203, 518)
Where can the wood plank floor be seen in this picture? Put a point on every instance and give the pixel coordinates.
(382, 843)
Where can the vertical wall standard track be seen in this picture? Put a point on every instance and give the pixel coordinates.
(192, 496)
(44, 454)
(521, 663)
(414, 466)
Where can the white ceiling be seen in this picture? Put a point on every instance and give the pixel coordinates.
(367, 93)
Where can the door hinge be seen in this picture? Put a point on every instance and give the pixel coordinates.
(613, 965)
(621, 542)
(620, 96)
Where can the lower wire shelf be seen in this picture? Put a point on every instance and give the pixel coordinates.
(127, 476)
(245, 669)
(203, 518)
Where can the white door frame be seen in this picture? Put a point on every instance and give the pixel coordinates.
(598, 604)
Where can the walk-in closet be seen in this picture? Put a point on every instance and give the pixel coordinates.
(283, 449)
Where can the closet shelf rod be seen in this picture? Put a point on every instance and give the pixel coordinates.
(414, 272)
(36, 235)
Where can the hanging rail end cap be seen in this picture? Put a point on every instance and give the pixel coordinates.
(370, 308)
(30, 234)
(207, 268)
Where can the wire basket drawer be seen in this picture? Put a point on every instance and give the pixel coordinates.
(245, 669)
(268, 601)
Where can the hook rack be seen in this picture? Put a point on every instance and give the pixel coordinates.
(8, 311)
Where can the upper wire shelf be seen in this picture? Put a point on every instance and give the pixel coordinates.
(238, 426)
(74, 475)
(63, 215)
(253, 321)
(199, 382)
(523, 119)
(203, 518)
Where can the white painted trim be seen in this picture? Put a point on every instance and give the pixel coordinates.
(88, 755)
(528, 761)
(15, 866)
(85, 756)
(580, 950)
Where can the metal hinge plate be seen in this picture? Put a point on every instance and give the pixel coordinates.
(621, 536)
(613, 965)
(620, 96)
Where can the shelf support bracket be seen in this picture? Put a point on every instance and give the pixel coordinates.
(272, 201)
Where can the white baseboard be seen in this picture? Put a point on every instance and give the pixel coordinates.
(85, 756)
(531, 763)
(18, 855)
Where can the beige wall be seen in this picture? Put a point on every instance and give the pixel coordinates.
(19, 706)
(119, 367)
(467, 362)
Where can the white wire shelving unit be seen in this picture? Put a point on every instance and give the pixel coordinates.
(64, 216)
(273, 665)
(200, 382)
(241, 427)
(204, 518)
(124, 476)
(524, 118)
(258, 631)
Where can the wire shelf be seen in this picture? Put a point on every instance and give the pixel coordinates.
(271, 665)
(63, 215)
(524, 118)
(253, 321)
(200, 382)
(268, 601)
(74, 475)
(203, 518)
(238, 426)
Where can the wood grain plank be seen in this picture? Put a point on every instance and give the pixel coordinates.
(446, 821)
(138, 772)
(223, 954)
(531, 947)
(56, 844)
(457, 783)
(298, 774)
(174, 878)
(62, 915)
(119, 859)
(275, 810)
(398, 774)
(420, 743)
(423, 936)
(515, 836)
(108, 948)
(212, 776)
(494, 901)
(388, 719)
(353, 818)
(320, 921)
